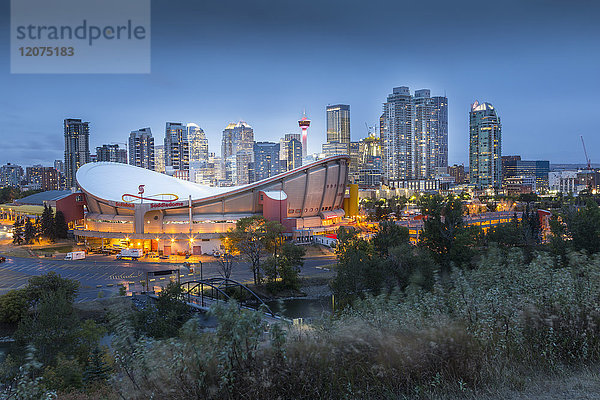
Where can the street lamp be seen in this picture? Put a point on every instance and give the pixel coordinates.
(202, 283)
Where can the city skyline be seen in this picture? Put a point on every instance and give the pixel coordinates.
(531, 79)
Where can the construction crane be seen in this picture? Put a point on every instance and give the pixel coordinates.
(587, 159)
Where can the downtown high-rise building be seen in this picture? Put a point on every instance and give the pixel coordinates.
(77, 148)
(141, 149)
(414, 134)
(237, 152)
(289, 156)
(369, 164)
(111, 153)
(177, 147)
(159, 158)
(485, 146)
(266, 160)
(338, 130)
(198, 144)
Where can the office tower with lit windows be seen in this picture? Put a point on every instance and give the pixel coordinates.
(266, 160)
(77, 148)
(141, 148)
(237, 152)
(338, 130)
(414, 134)
(287, 156)
(290, 154)
(159, 158)
(513, 166)
(177, 149)
(111, 153)
(198, 144)
(485, 146)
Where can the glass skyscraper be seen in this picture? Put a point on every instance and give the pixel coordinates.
(485, 146)
(414, 134)
(198, 144)
(141, 148)
(77, 148)
(338, 130)
(177, 147)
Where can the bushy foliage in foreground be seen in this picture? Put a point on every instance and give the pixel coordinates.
(476, 327)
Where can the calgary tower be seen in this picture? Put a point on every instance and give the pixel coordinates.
(304, 123)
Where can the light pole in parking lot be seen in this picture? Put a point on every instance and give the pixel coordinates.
(202, 284)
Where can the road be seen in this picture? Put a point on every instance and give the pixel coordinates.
(101, 274)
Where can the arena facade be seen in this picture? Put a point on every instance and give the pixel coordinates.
(141, 208)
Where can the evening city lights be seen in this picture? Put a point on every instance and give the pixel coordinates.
(317, 200)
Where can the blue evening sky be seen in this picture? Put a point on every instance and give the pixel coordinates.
(264, 61)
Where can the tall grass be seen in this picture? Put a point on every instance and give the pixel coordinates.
(474, 329)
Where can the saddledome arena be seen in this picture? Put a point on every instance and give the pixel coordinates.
(141, 208)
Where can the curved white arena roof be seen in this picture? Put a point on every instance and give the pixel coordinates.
(111, 181)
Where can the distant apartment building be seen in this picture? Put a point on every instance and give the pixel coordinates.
(176, 148)
(457, 171)
(237, 151)
(485, 146)
(414, 134)
(141, 149)
(338, 130)
(198, 143)
(33, 175)
(77, 148)
(564, 182)
(111, 153)
(11, 175)
(59, 165)
(266, 160)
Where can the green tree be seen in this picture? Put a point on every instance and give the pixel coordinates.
(66, 374)
(237, 337)
(389, 235)
(442, 225)
(359, 270)
(47, 223)
(583, 225)
(13, 306)
(286, 266)
(251, 238)
(29, 232)
(96, 370)
(166, 316)
(51, 327)
(408, 264)
(17, 232)
(61, 229)
(38, 286)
